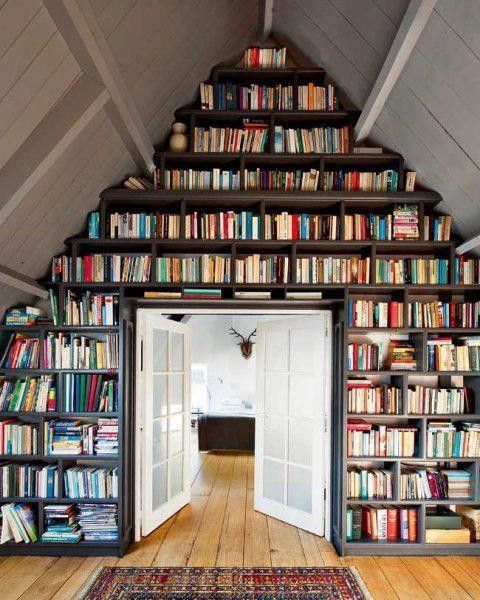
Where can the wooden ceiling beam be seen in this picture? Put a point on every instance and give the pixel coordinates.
(22, 282)
(80, 29)
(265, 19)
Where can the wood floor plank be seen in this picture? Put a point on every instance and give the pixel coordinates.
(11, 562)
(19, 579)
(197, 460)
(203, 484)
(406, 586)
(438, 583)
(53, 578)
(232, 538)
(205, 547)
(331, 559)
(257, 544)
(372, 576)
(285, 545)
(81, 577)
(310, 549)
(250, 471)
(141, 554)
(468, 580)
(178, 543)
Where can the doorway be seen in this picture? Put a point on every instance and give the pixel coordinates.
(291, 411)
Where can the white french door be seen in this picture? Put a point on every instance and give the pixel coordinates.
(292, 446)
(163, 398)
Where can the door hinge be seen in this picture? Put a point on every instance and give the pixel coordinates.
(141, 355)
(325, 424)
(324, 494)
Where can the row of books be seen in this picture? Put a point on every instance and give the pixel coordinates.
(329, 140)
(244, 225)
(444, 355)
(437, 228)
(253, 96)
(328, 269)
(256, 57)
(112, 267)
(317, 97)
(467, 270)
(287, 226)
(363, 397)
(17, 437)
(144, 225)
(262, 269)
(449, 440)
(366, 439)
(423, 400)
(88, 309)
(252, 138)
(71, 351)
(444, 314)
(369, 484)
(32, 394)
(381, 227)
(27, 480)
(21, 352)
(382, 524)
(276, 179)
(74, 437)
(214, 294)
(18, 523)
(193, 179)
(357, 181)
(437, 484)
(363, 356)
(84, 392)
(91, 482)
(204, 268)
(417, 271)
(369, 313)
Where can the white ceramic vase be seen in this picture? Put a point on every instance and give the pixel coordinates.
(178, 139)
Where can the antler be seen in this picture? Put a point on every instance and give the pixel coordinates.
(236, 334)
(254, 332)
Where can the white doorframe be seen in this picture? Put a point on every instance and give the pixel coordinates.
(139, 396)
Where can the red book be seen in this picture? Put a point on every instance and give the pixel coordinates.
(392, 524)
(358, 425)
(393, 314)
(91, 396)
(412, 524)
(87, 268)
(295, 219)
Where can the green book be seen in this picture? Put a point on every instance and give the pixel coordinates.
(83, 392)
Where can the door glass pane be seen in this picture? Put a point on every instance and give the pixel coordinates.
(176, 434)
(160, 406)
(159, 485)
(302, 394)
(176, 475)
(176, 351)
(160, 349)
(300, 442)
(301, 355)
(159, 450)
(176, 392)
(299, 488)
(274, 439)
(273, 480)
(276, 393)
(276, 351)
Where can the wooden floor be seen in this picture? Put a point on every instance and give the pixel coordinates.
(221, 528)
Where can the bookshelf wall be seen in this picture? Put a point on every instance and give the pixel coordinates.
(338, 294)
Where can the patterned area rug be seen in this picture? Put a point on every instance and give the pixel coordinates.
(178, 583)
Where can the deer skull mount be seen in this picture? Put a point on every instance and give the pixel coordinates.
(246, 345)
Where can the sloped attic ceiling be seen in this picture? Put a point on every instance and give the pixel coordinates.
(163, 49)
(432, 115)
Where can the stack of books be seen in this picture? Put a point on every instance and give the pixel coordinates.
(467, 271)
(285, 181)
(382, 524)
(364, 356)
(106, 438)
(24, 316)
(459, 483)
(317, 97)
(18, 438)
(90, 309)
(28, 480)
(202, 294)
(320, 140)
(262, 269)
(368, 227)
(446, 401)
(444, 440)
(21, 352)
(412, 270)
(32, 394)
(204, 268)
(437, 228)
(444, 355)
(98, 522)
(470, 519)
(400, 356)
(251, 139)
(61, 524)
(67, 437)
(365, 439)
(71, 351)
(355, 181)
(285, 226)
(254, 58)
(405, 222)
(162, 295)
(18, 523)
(100, 268)
(223, 226)
(91, 482)
(369, 484)
(297, 295)
(89, 393)
(144, 226)
(444, 314)
(368, 313)
(137, 183)
(330, 269)
(193, 179)
(252, 295)
(93, 225)
(366, 398)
